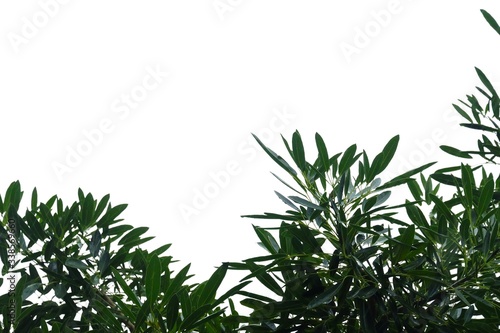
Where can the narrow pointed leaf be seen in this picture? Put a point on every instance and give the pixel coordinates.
(298, 151)
(347, 159)
(276, 158)
(454, 151)
(153, 278)
(306, 203)
(286, 201)
(208, 294)
(322, 152)
(492, 22)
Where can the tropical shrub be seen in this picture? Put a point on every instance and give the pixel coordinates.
(78, 268)
(342, 260)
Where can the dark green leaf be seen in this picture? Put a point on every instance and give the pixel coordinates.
(462, 112)
(322, 152)
(485, 198)
(455, 152)
(492, 22)
(481, 127)
(153, 276)
(34, 200)
(405, 176)
(406, 241)
(447, 179)
(172, 311)
(382, 160)
(125, 287)
(207, 296)
(347, 159)
(468, 184)
(276, 158)
(133, 235)
(193, 317)
(483, 77)
(298, 151)
(267, 240)
(326, 296)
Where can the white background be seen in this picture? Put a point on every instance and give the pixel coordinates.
(232, 66)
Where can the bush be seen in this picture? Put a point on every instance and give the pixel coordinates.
(341, 260)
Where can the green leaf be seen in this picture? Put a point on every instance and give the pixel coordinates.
(485, 198)
(442, 208)
(125, 287)
(382, 160)
(491, 21)
(462, 112)
(326, 296)
(481, 127)
(415, 189)
(172, 311)
(305, 203)
(231, 292)
(267, 240)
(406, 242)
(133, 235)
(486, 82)
(322, 152)
(193, 317)
(29, 290)
(101, 206)
(276, 158)
(286, 201)
(34, 200)
(75, 263)
(103, 262)
(468, 184)
(142, 315)
(404, 177)
(282, 181)
(267, 280)
(417, 217)
(447, 179)
(455, 152)
(298, 151)
(95, 243)
(382, 197)
(161, 249)
(87, 208)
(347, 159)
(111, 214)
(177, 282)
(207, 296)
(161, 322)
(153, 282)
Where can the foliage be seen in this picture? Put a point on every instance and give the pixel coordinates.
(342, 260)
(87, 272)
